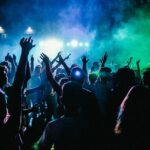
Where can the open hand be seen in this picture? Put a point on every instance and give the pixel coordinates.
(14, 57)
(138, 62)
(85, 59)
(26, 44)
(45, 59)
(104, 58)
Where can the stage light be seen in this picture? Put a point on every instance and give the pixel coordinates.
(51, 44)
(74, 43)
(55, 44)
(77, 73)
(29, 30)
(51, 47)
(80, 44)
(2, 30)
(68, 44)
(86, 44)
(41, 43)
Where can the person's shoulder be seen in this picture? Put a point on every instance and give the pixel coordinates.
(137, 92)
(138, 89)
(86, 91)
(3, 97)
(55, 123)
(2, 92)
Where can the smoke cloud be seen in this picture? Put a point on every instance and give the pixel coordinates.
(120, 27)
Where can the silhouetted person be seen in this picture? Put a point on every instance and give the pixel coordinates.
(77, 129)
(133, 123)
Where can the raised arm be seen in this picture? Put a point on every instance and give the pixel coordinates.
(59, 63)
(49, 74)
(84, 68)
(26, 45)
(103, 60)
(138, 69)
(13, 67)
(15, 91)
(84, 63)
(15, 61)
(32, 64)
(52, 62)
(129, 62)
(61, 60)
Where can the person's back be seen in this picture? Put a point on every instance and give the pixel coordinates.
(68, 133)
(133, 124)
(78, 129)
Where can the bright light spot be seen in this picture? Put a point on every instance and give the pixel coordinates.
(2, 30)
(77, 73)
(29, 30)
(74, 43)
(55, 44)
(51, 46)
(80, 44)
(41, 43)
(68, 44)
(121, 34)
(86, 44)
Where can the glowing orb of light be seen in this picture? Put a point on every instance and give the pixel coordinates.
(51, 46)
(86, 44)
(81, 44)
(2, 30)
(77, 73)
(68, 44)
(74, 43)
(29, 30)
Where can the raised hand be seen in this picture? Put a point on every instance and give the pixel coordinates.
(14, 57)
(129, 62)
(85, 59)
(61, 60)
(32, 58)
(104, 59)
(138, 62)
(26, 44)
(45, 58)
(9, 58)
(59, 53)
(67, 57)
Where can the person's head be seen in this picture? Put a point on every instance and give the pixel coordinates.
(95, 66)
(134, 111)
(59, 76)
(146, 78)
(37, 70)
(63, 80)
(125, 77)
(71, 96)
(93, 77)
(58, 71)
(3, 76)
(105, 73)
(73, 66)
(77, 74)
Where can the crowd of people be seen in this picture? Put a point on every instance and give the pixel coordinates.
(65, 107)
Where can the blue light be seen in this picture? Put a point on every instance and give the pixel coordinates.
(78, 73)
